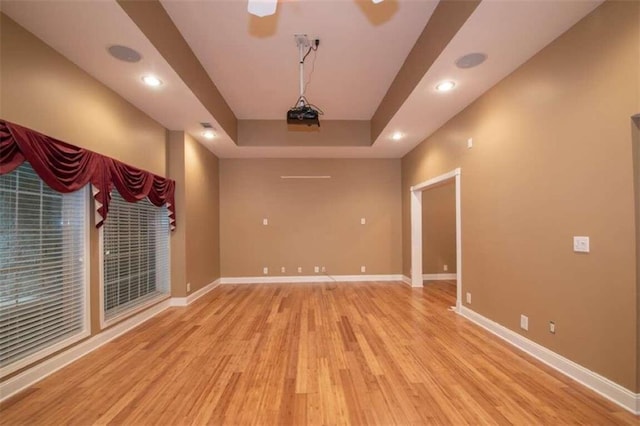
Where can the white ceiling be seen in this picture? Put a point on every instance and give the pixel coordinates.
(254, 61)
(258, 75)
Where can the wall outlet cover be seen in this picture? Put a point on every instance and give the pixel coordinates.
(524, 322)
(581, 244)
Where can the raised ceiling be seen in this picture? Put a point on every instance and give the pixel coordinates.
(253, 61)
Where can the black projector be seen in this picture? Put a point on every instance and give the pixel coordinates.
(303, 115)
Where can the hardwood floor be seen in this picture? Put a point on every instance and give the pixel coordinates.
(359, 353)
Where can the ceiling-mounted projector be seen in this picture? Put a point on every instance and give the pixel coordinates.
(304, 113)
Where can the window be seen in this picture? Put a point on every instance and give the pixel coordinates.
(135, 250)
(43, 247)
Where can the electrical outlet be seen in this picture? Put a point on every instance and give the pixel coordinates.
(363, 269)
(363, 221)
(283, 270)
(265, 270)
(188, 287)
(265, 221)
(524, 322)
(468, 298)
(323, 269)
(581, 244)
(552, 327)
(316, 269)
(299, 269)
(470, 143)
(446, 268)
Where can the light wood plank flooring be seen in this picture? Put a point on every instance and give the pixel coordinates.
(358, 353)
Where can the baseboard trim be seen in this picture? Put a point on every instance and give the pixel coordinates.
(186, 301)
(601, 385)
(38, 372)
(309, 279)
(439, 277)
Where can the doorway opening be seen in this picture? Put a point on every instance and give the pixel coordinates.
(416, 230)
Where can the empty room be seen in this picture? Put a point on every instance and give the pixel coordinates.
(290, 212)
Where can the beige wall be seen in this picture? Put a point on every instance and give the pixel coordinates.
(195, 244)
(279, 133)
(44, 91)
(551, 159)
(202, 215)
(176, 169)
(312, 222)
(439, 229)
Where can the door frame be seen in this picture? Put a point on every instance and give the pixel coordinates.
(416, 230)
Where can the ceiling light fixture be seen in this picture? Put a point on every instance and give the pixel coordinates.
(397, 136)
(209, 134)
(209, 130)
(262, 8)
(445, 86)
(151, 80)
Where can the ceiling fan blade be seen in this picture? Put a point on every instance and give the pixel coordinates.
(262, 8)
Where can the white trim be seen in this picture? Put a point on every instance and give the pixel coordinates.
(438, 179)
(33, 375)
(134, 310)
(439, 277)
(186, 301)
(416, 238)
(601, 385)
(309, 279)
(406, 280)
(416, 230)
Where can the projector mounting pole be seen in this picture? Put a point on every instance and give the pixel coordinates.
(303, 43)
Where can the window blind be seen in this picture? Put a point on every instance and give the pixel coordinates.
(135, 255)
(42, 266)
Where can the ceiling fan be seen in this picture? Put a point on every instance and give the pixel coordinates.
(264, 8)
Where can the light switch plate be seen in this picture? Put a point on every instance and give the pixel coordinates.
(265, 221)
(581, 244)
(363, 221)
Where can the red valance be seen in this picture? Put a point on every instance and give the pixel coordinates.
(67, 168)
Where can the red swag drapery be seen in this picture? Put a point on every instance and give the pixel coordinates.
(67, 168)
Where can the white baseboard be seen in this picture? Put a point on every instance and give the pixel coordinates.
(185, 301)
(309, 279)
(439, 277)
(601, 385)
(38, 372)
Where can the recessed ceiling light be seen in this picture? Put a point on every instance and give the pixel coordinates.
(471, 60)
(397, 136)
(124, 53)
(151, 80)
(445, 86)
(209, 134)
